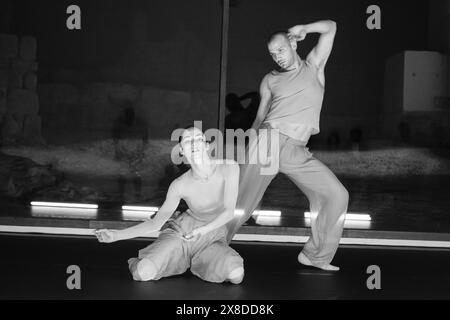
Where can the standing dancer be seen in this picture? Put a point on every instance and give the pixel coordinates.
(291, 100)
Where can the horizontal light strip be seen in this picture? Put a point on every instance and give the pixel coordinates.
(348, 216)
(260, 213)
(246, 237)
(52, 230)
(139, 208)
(64, 205)
(267, 213)
(355, 241)
(270, 238)
(47, 230)
(348, 224)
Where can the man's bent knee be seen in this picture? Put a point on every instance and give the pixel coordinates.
(344, 195)
(339, 196)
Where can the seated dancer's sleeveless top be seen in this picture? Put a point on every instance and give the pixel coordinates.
(297, 97)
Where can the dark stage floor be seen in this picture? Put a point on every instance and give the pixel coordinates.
(34, 267)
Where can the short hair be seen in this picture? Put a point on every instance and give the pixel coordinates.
(277, 33)
(184, 129)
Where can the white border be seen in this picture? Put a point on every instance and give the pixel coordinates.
(244, 237)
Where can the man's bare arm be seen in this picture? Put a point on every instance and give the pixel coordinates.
(264, 104)
(321, 52)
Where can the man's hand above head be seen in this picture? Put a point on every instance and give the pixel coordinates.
(297, 33)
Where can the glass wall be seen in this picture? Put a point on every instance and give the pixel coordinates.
(384, 127)
(94, 107)
(90, 96)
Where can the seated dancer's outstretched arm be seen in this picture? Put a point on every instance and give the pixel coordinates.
(230, 199)
(147, 227)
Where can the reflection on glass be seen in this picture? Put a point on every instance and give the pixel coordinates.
(348, 224)
(348, 216)
(65, 213)
(353, 224)
(268, 220)
(137, 215)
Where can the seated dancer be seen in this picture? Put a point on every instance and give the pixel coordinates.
(195, 239)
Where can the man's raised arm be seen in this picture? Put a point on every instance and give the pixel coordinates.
(321, 52)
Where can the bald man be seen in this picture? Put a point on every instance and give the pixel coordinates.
(195, 239)
(291, 101)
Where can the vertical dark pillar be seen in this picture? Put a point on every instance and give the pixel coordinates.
(223, 64)
(439, 26)
(6, 16)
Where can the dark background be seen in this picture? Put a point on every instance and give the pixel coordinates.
(356, 69)
(174, 48)
(162, 57)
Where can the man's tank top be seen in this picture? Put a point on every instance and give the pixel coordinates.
(297, 97)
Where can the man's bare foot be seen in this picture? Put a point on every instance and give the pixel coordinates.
(305, 261)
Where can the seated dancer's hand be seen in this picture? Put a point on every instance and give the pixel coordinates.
(297, 33)
(105, 235)
(193, 235)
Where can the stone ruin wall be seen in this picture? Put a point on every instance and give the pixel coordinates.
(20, 122)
